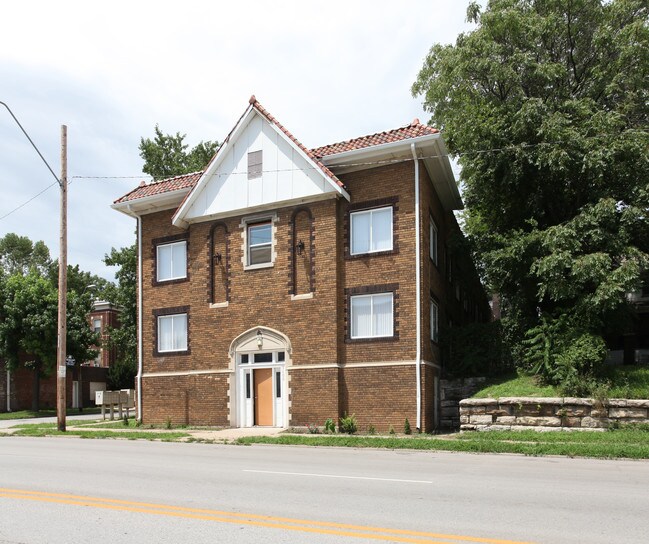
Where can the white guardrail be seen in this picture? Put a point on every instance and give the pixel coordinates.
(123, 400)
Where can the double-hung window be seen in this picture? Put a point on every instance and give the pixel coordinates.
(433, 241)
(172, 333)
(372, 315)
(171, 261)
(434, 321)
(371, 230)
(260, 243)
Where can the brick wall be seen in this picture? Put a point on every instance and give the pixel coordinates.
(223, 300)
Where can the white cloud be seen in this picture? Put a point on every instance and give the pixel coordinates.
(111, 71)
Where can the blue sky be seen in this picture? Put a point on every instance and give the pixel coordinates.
(111, 71)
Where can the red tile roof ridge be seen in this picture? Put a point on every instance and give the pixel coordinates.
(413, 129)
(156, 187)
(178, 176)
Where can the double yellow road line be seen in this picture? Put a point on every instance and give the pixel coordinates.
(287, 524)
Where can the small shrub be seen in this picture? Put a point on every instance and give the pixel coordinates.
(313, 428)
(347, 424)
(330, 426)
(138, 423)
(125, 421)
(168, 423)
(371, 430)
(406, 427)
(391, 431)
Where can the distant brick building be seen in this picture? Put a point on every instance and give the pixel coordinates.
(283, 286)
(104, 316)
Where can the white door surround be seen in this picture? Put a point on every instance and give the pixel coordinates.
(259, 348)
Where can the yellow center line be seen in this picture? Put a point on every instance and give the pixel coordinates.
(310, 526)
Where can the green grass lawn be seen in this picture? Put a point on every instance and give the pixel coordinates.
(628, 442)
(48, 430)
(28, 414)
(625, 443)
(630, 382)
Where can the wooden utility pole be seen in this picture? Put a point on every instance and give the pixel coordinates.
(63, 286)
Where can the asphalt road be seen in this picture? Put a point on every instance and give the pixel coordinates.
(64, 490)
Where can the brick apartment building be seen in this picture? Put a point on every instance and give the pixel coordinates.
(282, 285)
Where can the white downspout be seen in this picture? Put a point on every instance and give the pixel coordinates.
(417, 285)
(139, 319)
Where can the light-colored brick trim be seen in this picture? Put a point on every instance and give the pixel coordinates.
(304, 296)
(186, 373)
(273, 218)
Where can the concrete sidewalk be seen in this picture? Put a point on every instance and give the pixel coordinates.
(218, 435)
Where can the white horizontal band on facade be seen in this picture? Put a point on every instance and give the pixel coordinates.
(368, 364)
(352, 365)
(186, 373)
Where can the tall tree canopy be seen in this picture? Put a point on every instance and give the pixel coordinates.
(546, 104)
(29, 309)
(166, 155)
(20, 254)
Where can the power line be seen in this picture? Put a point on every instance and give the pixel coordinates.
(508, 148)
(28, 201)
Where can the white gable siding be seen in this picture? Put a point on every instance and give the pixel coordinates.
(286, 175)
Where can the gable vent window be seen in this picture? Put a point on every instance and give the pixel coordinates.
(254, 164)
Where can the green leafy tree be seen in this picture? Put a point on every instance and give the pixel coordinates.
(29, 326)
(166, 155)
(20, 254)
(546, 104)
(124, 295)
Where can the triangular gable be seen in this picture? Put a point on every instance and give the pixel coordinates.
(289, 172)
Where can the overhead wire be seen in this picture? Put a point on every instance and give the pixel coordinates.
(340, 165)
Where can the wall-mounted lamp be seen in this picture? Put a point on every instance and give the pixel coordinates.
(217, 258)
(260, 339)
(299, 247)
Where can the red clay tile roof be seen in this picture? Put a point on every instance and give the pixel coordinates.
(163, 186)
(413, 130)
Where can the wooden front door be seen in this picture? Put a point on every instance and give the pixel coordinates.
(263, 386)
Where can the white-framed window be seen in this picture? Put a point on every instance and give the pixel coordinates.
(371, 230)
(254, 164)
(260, 243)
(434, 234)
(434, 321)
(372, 315)
(171, 261)
(172, 333)
(96, 325)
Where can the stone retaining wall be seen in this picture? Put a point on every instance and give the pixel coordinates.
(549, 414)
(451, 393)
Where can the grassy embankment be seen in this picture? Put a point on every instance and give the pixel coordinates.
(621, 382)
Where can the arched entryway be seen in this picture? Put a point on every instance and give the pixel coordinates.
(259, 394)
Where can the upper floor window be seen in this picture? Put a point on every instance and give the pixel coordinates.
(372, 315)
(260, 243)
(433, 240)
(434, 321)
(96, 325)
(171, 261)
(371, 230)
(172, 333)
(254, 164)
